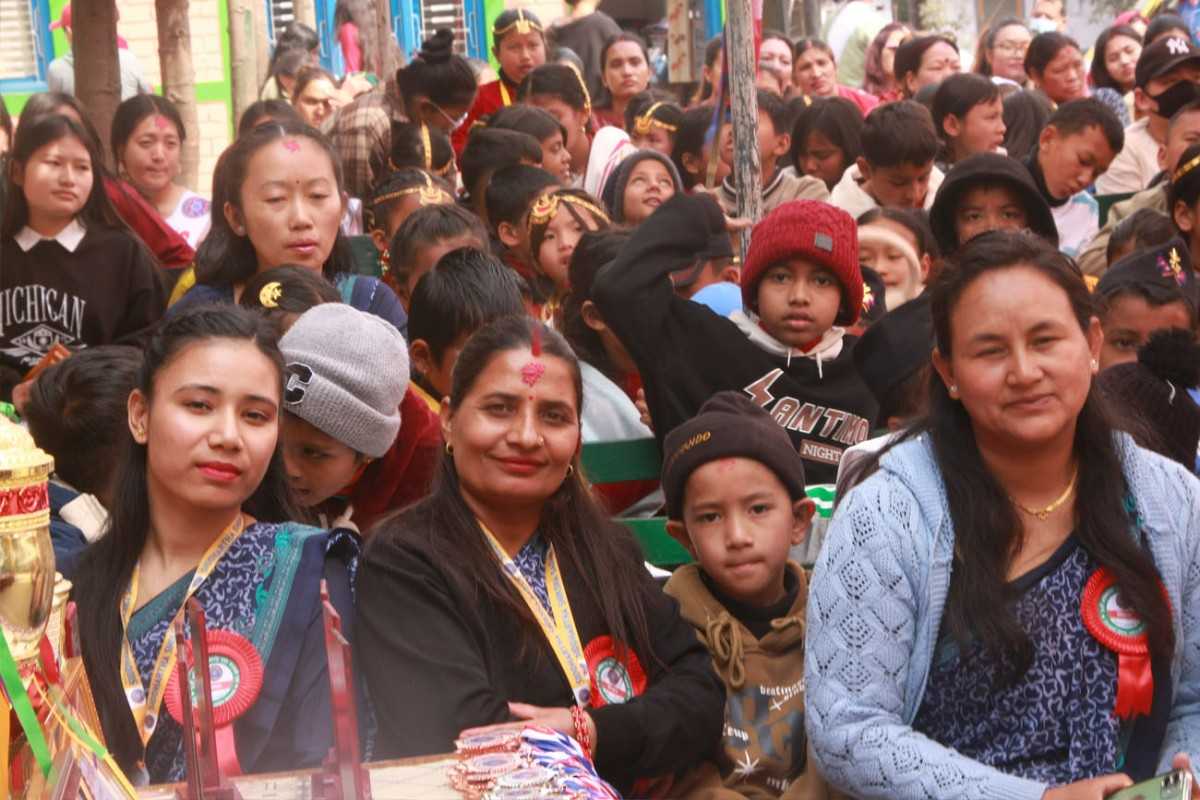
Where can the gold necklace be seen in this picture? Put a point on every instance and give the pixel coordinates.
(1044, 513)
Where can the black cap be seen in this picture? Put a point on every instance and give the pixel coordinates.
(895, 347)
(729, 425)
(1160, 57)
(1164, 273)
(719, 246)
(984, 168)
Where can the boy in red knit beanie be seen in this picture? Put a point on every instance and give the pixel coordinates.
(787, 350)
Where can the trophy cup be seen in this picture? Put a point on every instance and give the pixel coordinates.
(27, 574)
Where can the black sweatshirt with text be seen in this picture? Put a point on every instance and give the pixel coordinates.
(686, 353)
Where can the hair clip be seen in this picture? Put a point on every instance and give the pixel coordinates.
(643, 123)
(522, 24)
(268, 296)
(1185, 169)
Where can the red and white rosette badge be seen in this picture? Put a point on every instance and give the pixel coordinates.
(236, 675)
(613, 681)
(1121, 630)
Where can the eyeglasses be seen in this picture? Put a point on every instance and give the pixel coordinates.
(1012, 48)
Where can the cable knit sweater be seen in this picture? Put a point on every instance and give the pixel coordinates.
(876, 601)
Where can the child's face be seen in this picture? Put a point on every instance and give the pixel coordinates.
(428, 255)
(56, 180)
(1129, 321)
(558, 243)
(771, 144)
(437, 372)
(556, 158)
(657, 138)
(151, 155)
(798, 301)
(993, 207)
(981, 130)
(649, 186)
(901, 186)
(888, 260)
(291, 207)
(1072, 162)
(318, 466)
(741, 522)
(571, 119)
(211, 427)
(823, 159)
(520, 53)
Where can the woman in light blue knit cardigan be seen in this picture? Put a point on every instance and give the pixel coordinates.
(957, 611)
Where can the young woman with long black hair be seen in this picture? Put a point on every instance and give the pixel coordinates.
(974, 591)
(201, 510)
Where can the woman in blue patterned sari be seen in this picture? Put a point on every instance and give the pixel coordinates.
(200, 509)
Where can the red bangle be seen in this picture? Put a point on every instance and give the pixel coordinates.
(579, 717)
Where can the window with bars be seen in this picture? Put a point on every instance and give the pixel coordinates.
(418, 20)
(19, 56)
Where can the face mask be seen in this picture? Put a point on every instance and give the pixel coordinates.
(1042, 25)
(1171, 100)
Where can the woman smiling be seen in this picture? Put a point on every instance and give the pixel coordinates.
(973, 593)
(508, 598)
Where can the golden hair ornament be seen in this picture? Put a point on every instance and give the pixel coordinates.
(268, 296)
(643, 123)
(522, 24)
(1185, 169)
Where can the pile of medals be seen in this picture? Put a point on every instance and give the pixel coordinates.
(525, 765)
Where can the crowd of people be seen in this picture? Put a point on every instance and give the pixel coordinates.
(372, 354)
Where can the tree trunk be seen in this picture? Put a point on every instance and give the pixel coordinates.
(97, 70)
(179, 79)
(386, 46)
(304, 11)
(262, 43)
(243, 56)
(744, 107)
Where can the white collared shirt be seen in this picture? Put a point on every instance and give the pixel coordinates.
(69, 237)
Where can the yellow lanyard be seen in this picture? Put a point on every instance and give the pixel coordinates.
(557, 624)
(146, 702)
(504, 96)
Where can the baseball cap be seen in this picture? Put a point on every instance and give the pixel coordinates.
(1162, 56)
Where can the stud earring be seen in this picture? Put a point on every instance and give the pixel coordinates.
(954, 390)
(1095, 365)
(449, 449)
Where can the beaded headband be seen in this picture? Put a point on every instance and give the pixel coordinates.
(429, 194)
(546, 206)
(522, 24)
(1185, 169)
(643, 123)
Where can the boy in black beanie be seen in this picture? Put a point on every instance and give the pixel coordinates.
(735, 497)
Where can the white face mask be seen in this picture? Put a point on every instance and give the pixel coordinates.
(1042, 25)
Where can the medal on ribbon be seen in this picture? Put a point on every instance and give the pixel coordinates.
(613, 680)
(236, 675)
(1120, 629)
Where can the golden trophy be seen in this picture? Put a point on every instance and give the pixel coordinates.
(27, 574)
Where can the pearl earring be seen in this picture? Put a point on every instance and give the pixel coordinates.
(954, 390)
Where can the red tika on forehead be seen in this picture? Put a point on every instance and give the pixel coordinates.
(532, 372)
(160, 121)
(291, 145)
(535, 339)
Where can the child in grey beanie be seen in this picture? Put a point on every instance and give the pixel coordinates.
(346, 372)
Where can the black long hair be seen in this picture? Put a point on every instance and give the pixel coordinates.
(587, 542)
(987, 529)
(35, 133)
(130, 114)
(225, 257)
(606, 99)
(1101, 77)
(438, 74)
(105, 569)
(595, 249)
